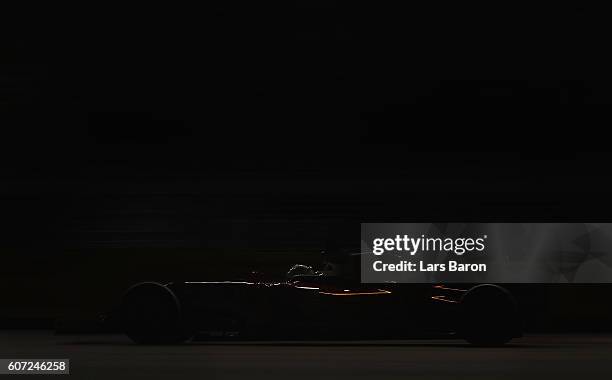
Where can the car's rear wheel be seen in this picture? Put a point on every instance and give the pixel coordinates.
(151, 314)
(488, 316)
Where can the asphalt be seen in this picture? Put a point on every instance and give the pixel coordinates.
(114, 357)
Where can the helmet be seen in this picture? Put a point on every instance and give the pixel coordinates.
(300, 270)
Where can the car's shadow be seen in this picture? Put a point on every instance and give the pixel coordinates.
(406, 344)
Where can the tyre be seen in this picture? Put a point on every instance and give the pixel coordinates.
(151, 314)
(488, 316)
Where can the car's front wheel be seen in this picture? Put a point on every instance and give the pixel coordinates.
(151, 314)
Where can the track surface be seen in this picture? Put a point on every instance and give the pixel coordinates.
(114, 357)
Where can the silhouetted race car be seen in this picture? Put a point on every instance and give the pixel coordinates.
(317, 305)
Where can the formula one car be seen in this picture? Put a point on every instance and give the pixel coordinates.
(317, 305)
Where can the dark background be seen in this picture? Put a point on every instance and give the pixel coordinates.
(159, 143)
